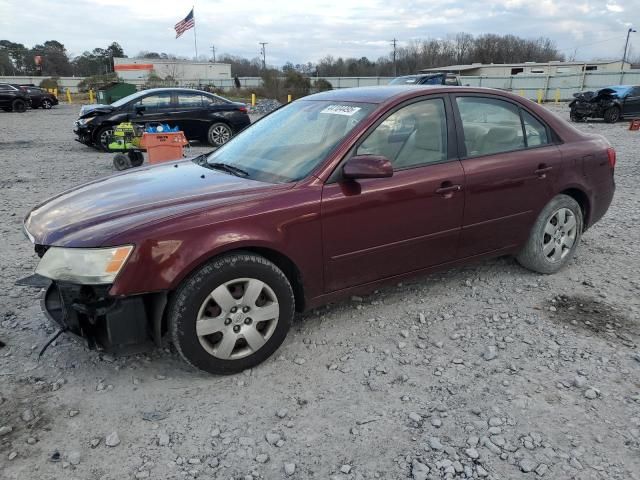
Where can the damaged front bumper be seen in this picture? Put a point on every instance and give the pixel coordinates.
(84, 133)
(116, 325)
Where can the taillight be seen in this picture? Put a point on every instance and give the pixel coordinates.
(611, 153)
(243, 109)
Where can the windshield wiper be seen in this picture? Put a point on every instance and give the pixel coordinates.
(238, 172)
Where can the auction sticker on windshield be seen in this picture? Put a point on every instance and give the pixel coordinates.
(347, 110)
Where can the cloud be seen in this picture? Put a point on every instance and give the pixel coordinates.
(306, 31)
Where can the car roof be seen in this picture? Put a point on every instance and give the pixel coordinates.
(388, 93)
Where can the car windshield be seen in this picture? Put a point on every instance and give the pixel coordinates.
(289, 143)
(404, 81)
(128, 98)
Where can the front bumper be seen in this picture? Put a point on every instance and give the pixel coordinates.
(84, 133)
(117, 325)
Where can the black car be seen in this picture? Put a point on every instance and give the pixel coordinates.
(39, 98)
(200, 115)
(427, 79)
(13, 99)
(610, 104)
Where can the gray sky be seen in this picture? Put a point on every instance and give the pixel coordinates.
(307, 30)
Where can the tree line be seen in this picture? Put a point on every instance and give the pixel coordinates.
(462, 48)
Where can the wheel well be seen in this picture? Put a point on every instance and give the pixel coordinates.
(582, 199)
(289, 268)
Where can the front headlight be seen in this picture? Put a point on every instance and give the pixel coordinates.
(84, 121)
(86, 266)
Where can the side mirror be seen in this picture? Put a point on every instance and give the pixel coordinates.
(367, 166)
(140, 109)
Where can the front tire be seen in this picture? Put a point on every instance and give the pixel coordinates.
(612, 115)
(103, 137)
(231, 314)
(219, 134)
(46, 104)
(554, 237)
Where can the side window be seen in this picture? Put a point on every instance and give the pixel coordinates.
(635, 92)
(154, 102)
(212, 100)
(5, 88)
(490, 125)
(414, 135)
(189, 100)
(535, 130)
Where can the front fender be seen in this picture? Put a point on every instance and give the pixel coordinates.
(163, 259)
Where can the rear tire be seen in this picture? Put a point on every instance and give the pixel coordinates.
(19, 106)
(554, 237)
(612, 115)
(219, 134)
(231, 314)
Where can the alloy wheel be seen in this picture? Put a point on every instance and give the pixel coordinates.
(46, 104)
(237, 318)
(105, 136)
(559, 235)
(220, 135)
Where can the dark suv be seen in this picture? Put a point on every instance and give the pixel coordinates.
(40, 98)
(13, 99)
(200, 115)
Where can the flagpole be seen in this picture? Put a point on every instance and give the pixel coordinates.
(195, 40)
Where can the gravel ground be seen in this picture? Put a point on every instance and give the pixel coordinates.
(488, 371)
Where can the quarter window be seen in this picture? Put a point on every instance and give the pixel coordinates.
(414, 135)
(490, 125)
(535, 130)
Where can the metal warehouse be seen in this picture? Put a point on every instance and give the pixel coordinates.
(532, 68)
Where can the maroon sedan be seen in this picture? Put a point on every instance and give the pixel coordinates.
(333, 194)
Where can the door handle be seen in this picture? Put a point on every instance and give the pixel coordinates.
(542, 170)
(448, 189)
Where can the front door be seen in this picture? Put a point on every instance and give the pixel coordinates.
(154, 108)
(632, 103)
(378, 228)
(510, 165)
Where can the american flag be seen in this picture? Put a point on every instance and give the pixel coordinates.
(185, 24)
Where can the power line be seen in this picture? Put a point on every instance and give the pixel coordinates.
(263, 50)
(575, 47)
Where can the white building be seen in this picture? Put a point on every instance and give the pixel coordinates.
(532, 68)
(137, 70)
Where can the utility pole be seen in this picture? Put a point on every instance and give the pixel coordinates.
(626, 46)
(395, 69)
(213, 50)
(263, 51)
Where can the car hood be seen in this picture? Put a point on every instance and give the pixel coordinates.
(91, 214)
(94, 109)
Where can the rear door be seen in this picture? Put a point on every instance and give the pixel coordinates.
(378, 228)
(511, 166)
(190, 113)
